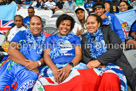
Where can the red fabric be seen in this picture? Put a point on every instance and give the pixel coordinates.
(49, 80)
(109, 82)
(86, 81)
(47, 34)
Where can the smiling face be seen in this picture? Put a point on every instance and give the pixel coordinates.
(123, 7)
(64, 27)
(35, 26)
(99, 11)
(92, 24)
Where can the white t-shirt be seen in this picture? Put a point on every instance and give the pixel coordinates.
(50, 4)
(35, 3)
(76, 27)
(13, 32)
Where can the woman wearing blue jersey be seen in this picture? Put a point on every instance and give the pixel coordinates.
(20, 69)
(62, 57)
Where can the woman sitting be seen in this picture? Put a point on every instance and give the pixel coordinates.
(20, 70)
(62, 56)
(102, 52)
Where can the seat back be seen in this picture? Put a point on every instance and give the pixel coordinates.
(131, 56)
(50, 30)
(2, 39)
(51, 21)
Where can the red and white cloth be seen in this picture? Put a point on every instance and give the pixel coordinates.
(81, 80)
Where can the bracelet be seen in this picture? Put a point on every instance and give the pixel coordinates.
(39, 62)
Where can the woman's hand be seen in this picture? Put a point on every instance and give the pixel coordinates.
(36, 71)
(93, 64)
(31, 65)
(56, 75)
(64, 72)
(79, 32)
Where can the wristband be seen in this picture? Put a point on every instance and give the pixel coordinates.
(71, 64)
(39, 62)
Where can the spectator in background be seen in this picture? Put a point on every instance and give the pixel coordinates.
(55, 1)
(18, 26)
(50, 5)
(44, 1)
(38, 4)
(109, 19)
(59, 5)
(88, 5)
(108, 6)
(31, 13)
(69, 6)
(2, 2)
(80, 18)
(28, 2)
(115, 10)
(18, 1)
(124, 6)
(133, 3)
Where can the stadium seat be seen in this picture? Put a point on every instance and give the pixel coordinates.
(51, 30)
(131, 56)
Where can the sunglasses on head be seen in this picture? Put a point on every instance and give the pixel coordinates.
(99, 6)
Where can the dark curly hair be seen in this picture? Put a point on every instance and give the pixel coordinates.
(65, 17)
